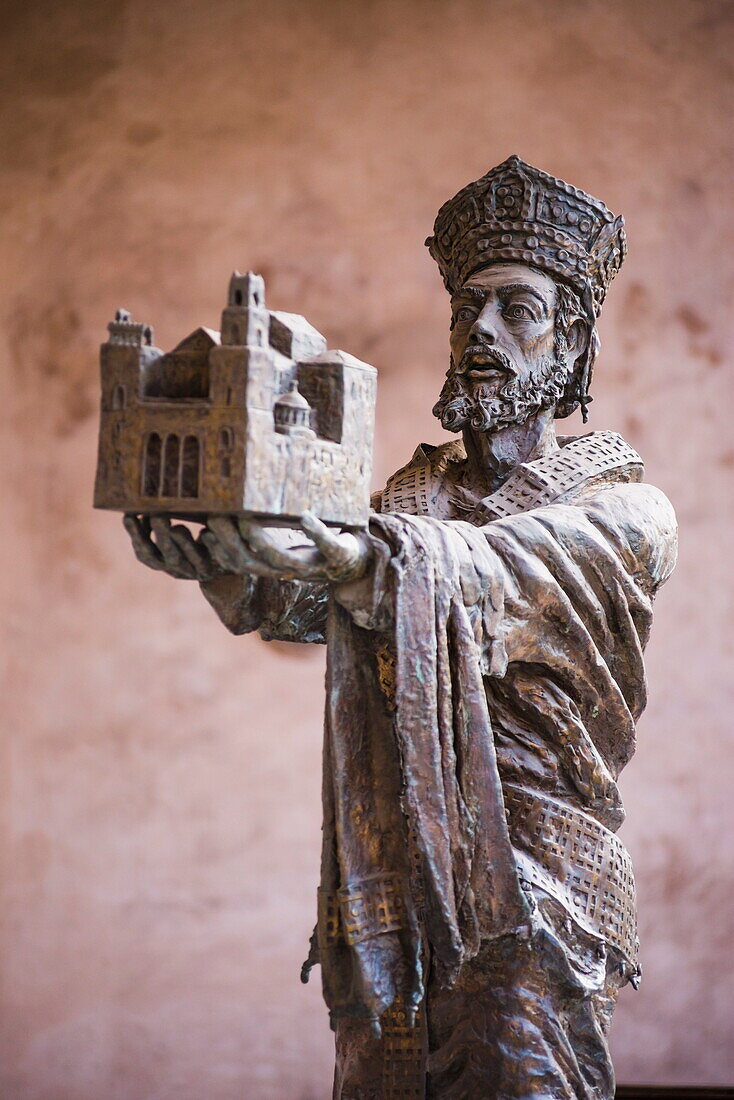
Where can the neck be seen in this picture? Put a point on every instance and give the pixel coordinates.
(492, 456)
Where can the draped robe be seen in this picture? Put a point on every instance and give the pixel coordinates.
(476, 909)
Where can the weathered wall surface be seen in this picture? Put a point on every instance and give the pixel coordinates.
(159, 786)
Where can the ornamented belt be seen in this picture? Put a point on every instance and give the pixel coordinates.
(577, 861)
(356, 913)
(362, 910)
(562, 851)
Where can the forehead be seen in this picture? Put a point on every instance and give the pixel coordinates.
(496, 276)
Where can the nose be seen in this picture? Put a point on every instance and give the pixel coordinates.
(484, 328)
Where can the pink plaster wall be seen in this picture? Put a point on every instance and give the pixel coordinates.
(159, 782)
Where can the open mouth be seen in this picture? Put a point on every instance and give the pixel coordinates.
(485, 366)
(491, 370)
(481, 366)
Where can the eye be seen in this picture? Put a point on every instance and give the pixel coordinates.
(518, 312)
(466, 313)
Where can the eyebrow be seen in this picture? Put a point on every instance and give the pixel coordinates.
(472, 292)
(515, 288)
(506, 290)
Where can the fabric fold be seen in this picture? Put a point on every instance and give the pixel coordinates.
(422, 770)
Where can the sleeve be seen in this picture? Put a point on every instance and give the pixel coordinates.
(573, 591)
(288, 611)
(586, 571)
(632, 526)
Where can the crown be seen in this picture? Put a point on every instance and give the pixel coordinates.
(516, 212)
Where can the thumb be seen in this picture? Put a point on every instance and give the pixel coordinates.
(318, 532)
(342, 552)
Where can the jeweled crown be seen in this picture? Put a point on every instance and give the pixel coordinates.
(518, 213)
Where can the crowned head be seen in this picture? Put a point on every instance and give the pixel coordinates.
(527, 260)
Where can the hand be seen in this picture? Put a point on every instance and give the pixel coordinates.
(175, 551)
(240, 545)
(233, 545)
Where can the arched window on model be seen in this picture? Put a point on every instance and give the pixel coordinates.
(226, 443)
(190, 467)
(118, 397)
(171, 466)
(152, 466)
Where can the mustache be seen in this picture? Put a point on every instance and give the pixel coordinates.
(486, 351)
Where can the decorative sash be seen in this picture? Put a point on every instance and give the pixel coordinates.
(579, 862)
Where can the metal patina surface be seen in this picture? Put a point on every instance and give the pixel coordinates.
(485, 633)
(260, 419)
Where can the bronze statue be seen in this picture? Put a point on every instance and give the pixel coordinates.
(485, 634)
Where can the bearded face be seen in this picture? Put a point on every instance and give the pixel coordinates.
(509, 358)
(490, 405)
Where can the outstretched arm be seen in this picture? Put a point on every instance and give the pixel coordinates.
(286, 593)
(256, 577)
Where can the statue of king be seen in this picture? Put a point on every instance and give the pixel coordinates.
(485, 639)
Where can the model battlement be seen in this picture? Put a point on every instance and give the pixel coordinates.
(123, 330)
(260, 419)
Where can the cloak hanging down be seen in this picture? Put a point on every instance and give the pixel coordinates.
(482, 690)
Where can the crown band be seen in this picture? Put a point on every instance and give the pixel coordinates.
(518, 213)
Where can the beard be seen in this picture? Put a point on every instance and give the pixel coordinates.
(491, 405)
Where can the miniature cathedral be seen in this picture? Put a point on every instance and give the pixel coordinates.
(263, 420)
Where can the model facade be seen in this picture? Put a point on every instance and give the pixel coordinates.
(261, 419)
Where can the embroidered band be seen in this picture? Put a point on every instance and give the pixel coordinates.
(588, 459)
(372, 906)
(329, 924)
(404, 1054)
(578, 862)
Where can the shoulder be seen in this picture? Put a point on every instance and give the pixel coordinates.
(633, 521)
(409, 489)
(641, 516)
(434, 455)
(639, 506)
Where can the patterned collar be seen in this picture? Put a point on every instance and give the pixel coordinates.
(581, 464)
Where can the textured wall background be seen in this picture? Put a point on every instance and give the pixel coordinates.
(159, 785)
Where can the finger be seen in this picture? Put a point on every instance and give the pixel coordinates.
(175, 561)
(220, 553)
(195, 552)
(244, 563)
(161, 528)
(225, 529)
(232, 547)
(228, 549)
(263, 544)
(145, 550)
(325, 539)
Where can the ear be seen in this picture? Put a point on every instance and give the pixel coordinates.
(577, 338)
